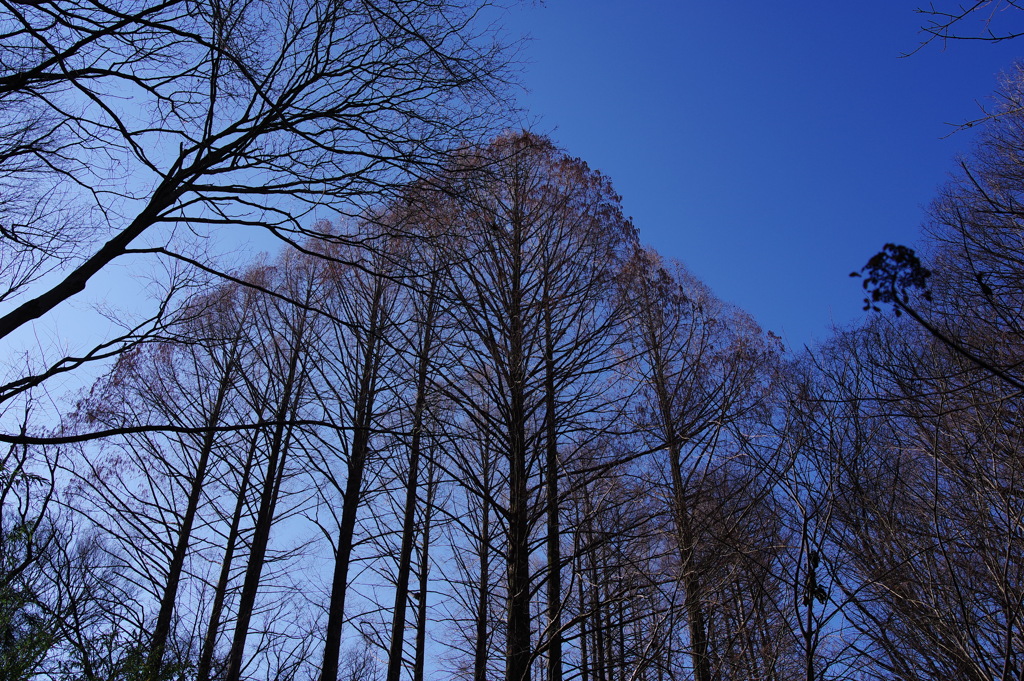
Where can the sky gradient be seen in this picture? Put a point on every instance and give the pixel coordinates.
(771, 147)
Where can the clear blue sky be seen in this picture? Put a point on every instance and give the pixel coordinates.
(771, 147)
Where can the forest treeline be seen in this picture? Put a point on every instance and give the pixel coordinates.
(470, 428)
(502, 440)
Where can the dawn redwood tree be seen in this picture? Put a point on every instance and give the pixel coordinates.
(240, 490)
(700, 366)
(475, 534)
(354, 367)
(587, 238)
(537, 241)
(741, 540)
(426, 333)
(155, 488)
(279, 393)
(616, 607)
(473, 372)
(228, 341)
(162, 490)
(822, 421)
(427, 522)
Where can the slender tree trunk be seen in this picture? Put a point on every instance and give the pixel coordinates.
(607, 629)
(353, 489)
(483, 592)
(517, 660)
(409, 519)
(584, 659)
(518, 648)
(220, 592)
(265, 515)
(692, 586)
(419, 662)
(162, 628)
(599, 629)
(693, 596)
(554, 531)
(621, 629)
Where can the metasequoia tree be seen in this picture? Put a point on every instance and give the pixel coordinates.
(739, 550)
(237, 479)
(584, 251)
(497, 395)
(535, 235)
(237, 484)
(701, 367)
(161, 491)
(354, 369)
(151, 487)
(474, 534)
(538, 236)
(819, 421)
(242, 115)
(279, 395)
(617, 566)
(425, 335)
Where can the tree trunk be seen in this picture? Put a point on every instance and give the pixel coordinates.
(517, 651)
(409, 520)
(419, 663)
(265, 516)
(553, 539)
(584, 659)
(480, 643)
(692, 586)
(220, 592)
(599, 629)
(353, 489)
(162, 628)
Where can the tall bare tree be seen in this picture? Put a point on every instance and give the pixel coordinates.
(701, 366)
(539, 236)
(355, 371)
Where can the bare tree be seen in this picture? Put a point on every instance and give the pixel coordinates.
(539, 234)
(426, 332)
(355, 374)
(283, 390)
(818, 421)
(242, 115)
(701, 366)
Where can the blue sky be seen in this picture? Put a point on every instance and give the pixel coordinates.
(771, 147)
